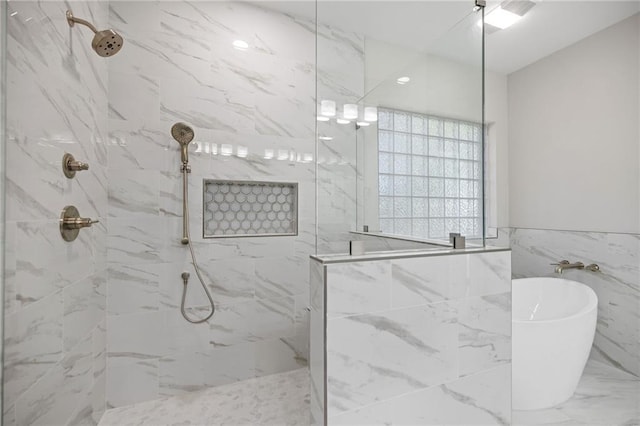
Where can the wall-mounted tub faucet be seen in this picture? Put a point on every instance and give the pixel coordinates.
(565, 264)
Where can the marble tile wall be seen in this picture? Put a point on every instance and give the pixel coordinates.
(179, 64)
(55, 291)
(617, 339)
(419, 341)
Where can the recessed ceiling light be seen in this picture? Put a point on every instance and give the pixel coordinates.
(240, 45)
(268, 154)
(403, 80)
(342, 121)
(362, 123)
(322, 118)
(325, 138)
(501, 18)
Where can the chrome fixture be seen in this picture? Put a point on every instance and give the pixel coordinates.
(105, 42)
(593, 268)
(565, 264)
(183, 134)
(70, 166)
(71, 223)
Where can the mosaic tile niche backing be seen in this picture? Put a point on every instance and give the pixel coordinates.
(248, 208)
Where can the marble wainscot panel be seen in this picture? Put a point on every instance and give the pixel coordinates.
(55, 291)
(617, 340)
(419, 340)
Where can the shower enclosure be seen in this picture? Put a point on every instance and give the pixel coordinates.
(351, 134)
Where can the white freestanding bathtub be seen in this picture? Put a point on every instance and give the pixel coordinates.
(554, 322)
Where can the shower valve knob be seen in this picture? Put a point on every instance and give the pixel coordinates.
(70, 166)
(71, 223)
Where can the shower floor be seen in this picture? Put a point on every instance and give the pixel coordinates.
(605, 397)
(279, 399)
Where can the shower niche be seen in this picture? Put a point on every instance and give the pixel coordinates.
(249, 209)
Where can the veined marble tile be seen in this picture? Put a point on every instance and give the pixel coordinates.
(363, 365)
(480, 399)
(83, 308)
(10, 282)
(485, 332)
(134, 288)
(229, 282)
(273, 318)
(134, 192)
(32, 345)
(278, 276)
(206, 107)
(136, 335)
(191, 371)
(135, 240)
(139, 145)
(53, 399)
(425, 280)
(123, 88)
(45, 262)
(277, 356)
(358, 287)
(131, 379)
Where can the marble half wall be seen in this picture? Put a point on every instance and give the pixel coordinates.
(424, 340)
(617, 340)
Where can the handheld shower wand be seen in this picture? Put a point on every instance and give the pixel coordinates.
(183, 134)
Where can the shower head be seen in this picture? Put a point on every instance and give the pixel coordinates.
(183, 134)
(105, 43)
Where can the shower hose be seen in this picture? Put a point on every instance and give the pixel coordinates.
(185, 275)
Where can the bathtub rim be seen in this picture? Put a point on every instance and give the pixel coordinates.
(592, 304)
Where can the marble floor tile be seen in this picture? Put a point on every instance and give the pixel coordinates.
(279, 399)
(605, 397)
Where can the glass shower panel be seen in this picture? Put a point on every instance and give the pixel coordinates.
(427, 142)
(399, 139)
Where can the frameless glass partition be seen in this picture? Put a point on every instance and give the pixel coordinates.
(400, 125)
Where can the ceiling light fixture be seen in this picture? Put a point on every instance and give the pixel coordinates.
(321, 118)
(501, 18)
(350, 111)
(371, 114)
(342, 121)
(403, 80)
(328, 108)
(240, 45)
(362, 123)
(325, 138)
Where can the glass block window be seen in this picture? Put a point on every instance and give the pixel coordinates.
(430, 175)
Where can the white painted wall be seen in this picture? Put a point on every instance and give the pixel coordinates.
(574, 136)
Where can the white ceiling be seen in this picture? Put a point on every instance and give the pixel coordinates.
(549, 26)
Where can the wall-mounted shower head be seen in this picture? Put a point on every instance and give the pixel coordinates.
(183, 134)
(105, 43)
